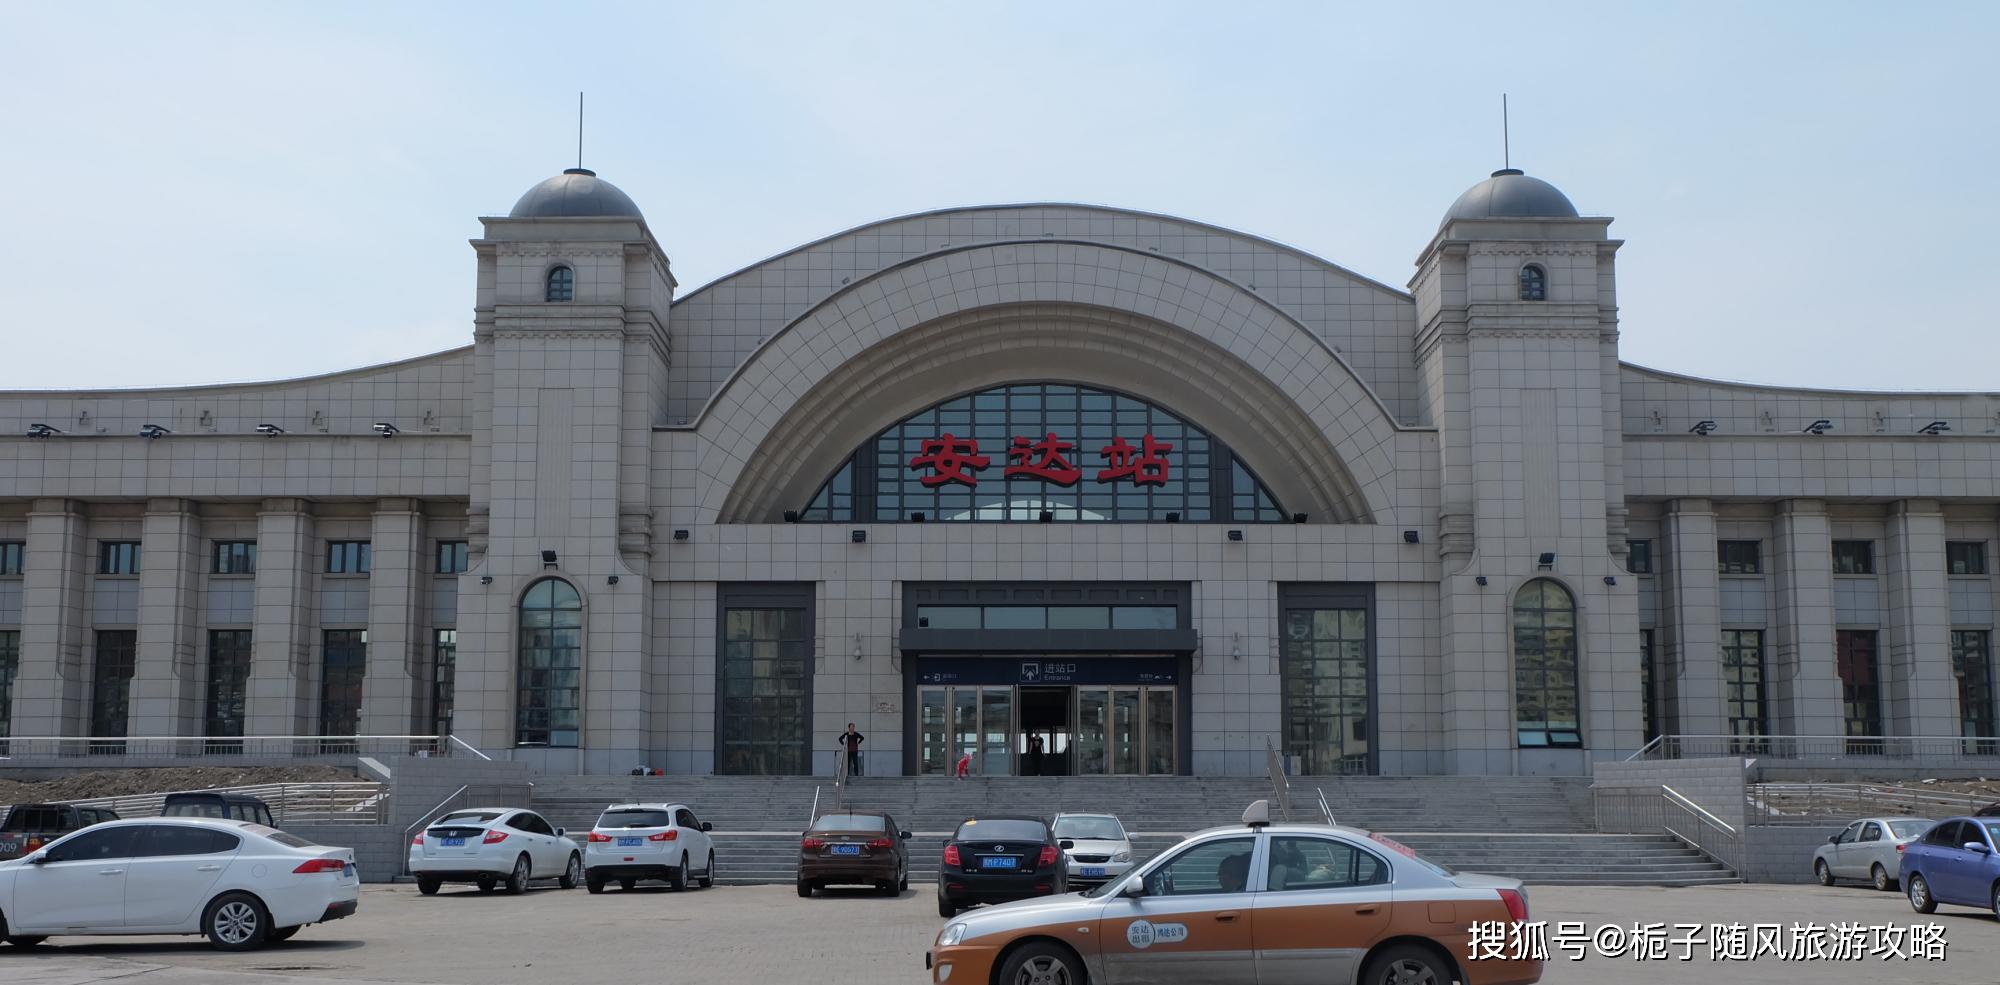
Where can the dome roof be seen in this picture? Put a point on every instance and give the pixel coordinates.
(1509, 194)
(575, 192)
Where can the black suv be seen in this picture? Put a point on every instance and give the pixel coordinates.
(227, 806)
(997, 860)
(30, 826)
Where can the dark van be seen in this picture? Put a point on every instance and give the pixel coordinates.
(226, 806)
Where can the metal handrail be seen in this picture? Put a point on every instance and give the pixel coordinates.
(426, 817)
(1281, 787)
(1678, 797)
(813, 815)
(1983, 749)
(840, 779)
(1324, 807)
(468, 747)
(218, 746)
(1711, 836)
(1651, 745)
(1779, 802)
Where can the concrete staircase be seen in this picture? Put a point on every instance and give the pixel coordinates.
(1545, 824)
(1571, 859)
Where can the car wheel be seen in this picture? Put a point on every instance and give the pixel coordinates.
(573, 874)
(1995, 900)
(236, 922)
(26, 940)
(517, 880)
(1920, 894)
(594, 885)
(282, 933)
(627, 884)
(1407, 966)
(1041, 964)
(904, 885)
(707, 875)
(429, 885)
(946, 909)
(1881, 879)
(1821, 872)
(679, 877)
(486, 884)
(805, 889)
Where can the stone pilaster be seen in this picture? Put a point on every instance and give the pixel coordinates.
(1692, 629)
(1805, 685)
(1920, 695)
(389, 691)
(166, 681)
(281, 696)
(51, 687)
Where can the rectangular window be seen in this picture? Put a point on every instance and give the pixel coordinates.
(346, 663)
(1648, 696)
(348, 557)
(1860, 689)
(765, 685)
(235, 557)
(1972, 664)
(111, 684)
(228, 681)
(1639, 557)
(117, 557)
(444, 678)
(1737, 557)
(1323, 671)
(10, 665)
(1743, 681)
(1853, 557)
(451, 557)
(11, 552)
(1961, 557)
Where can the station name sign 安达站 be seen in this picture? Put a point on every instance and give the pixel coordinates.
(1058, 671)
(949, 458)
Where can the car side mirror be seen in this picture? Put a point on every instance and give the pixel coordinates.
(1066, 844)
(905, 835)
(560, 833)
(1833, 839)
(1134, 889)
(706, 826)
(1978, 846)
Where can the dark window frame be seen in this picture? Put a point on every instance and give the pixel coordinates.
(559, 284)
(1739, 557)
(1318, 737)
(749, 742)
(1858, 663)
(1745, 679)
(10, 668)
(226, 698)
(118, 558)
(1546, 654)
(13, 558)
(1969, 555)
(233, 557)
(1639, 557)
(1534, 282)
(548, 666)
(343, 671)
(1853, 557)
(350, 557)
(444, 678)
(1972, 672)
(114, 662)
(453, 557)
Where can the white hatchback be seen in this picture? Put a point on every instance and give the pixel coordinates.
(631, 842)
(493, 846)
(240, 883)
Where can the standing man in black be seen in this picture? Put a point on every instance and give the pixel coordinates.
(851, 741)
(1034, 755)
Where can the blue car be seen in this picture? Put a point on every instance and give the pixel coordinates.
(1954, 862)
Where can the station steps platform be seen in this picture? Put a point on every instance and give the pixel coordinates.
(1545, 825)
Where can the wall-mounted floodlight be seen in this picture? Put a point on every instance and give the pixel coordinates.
(1236, 535)
(1547, 560)
(548, 559)
(42, 430)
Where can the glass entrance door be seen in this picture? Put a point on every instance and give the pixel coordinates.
(1126, 731)
(957, 721)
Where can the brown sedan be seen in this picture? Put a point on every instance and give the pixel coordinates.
(854, 848)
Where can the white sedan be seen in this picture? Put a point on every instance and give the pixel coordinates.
(491, 846)
(238, 882)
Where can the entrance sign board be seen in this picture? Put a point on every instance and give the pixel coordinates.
(1032, 671)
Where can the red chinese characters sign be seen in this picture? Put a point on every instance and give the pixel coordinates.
(949, 458)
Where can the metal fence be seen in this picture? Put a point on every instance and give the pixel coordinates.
(1664, 810)
(232, 747)
(1933, 750)
(1823, 803)
(359, 802)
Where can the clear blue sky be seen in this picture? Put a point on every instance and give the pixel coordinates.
(200, 192)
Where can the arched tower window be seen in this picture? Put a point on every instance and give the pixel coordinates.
(1534, 283)
(1545, 666)
(562, 284)
(549, 677)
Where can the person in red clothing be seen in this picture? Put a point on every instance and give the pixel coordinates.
(965, 764)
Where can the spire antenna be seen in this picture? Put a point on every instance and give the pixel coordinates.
(1506, 138)
(579, 130)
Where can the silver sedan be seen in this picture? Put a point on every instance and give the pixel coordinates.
(1870, 849)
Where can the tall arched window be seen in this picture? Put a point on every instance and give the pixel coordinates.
(549, 678)
(1534, 283)
(562, 284)
(1545, 666)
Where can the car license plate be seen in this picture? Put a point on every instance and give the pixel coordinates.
(999, 862)
(847, 849)
(454, 843)
(1093, 872)
(630, 842)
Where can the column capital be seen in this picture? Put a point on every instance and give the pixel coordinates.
(1679, 506)
(55, 506)
(172, 506)
(1802, 507)
(1916, 507)
(285, 505)
(399, 505)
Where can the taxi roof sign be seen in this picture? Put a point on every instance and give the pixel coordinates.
(1258, 814)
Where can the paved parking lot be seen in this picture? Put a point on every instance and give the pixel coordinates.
(766, 934)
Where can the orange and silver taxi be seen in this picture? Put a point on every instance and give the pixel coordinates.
(1259, 904)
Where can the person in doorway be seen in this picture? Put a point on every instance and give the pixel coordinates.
(1034, 763)
(965, 764)
(851, 740)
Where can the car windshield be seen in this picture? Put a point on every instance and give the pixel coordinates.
(194, 808)
(1910, 828)
(1089, 829)
(848, 822)
(636, 818)
(468, 817)
(1992, 829)
(1001, 830)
